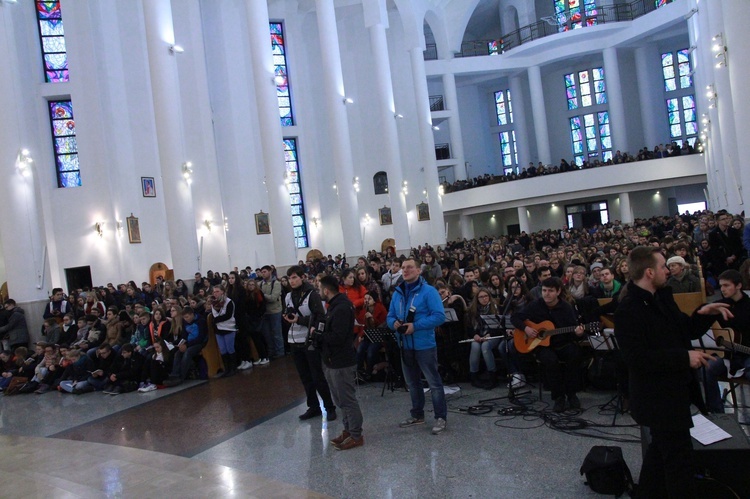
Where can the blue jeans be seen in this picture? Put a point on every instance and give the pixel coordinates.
(485, 349)
(367, 350)
(714, 371)
(510, 357)
(426, 361)
(270, 326)
(226, 342)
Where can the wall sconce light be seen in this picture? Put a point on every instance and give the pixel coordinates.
(187, 172)
(720, 50)
(404, 187)
(226, 224)
(398, 116)
(315, 221)
(355, 184)
(424, 193)
(207, 223)
(176, 49)
(692, 48)
(347, 100)
(335, 187)
(435, 127)
(99, 228)
(711, 96)
(24, 162)
(367, 219)
(441, 190)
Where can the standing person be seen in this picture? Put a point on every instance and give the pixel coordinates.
(15, 331)
(222, 309)
(236, 292)
(271, 324)
(339, 362)
(726, 244)
(654, 337)
(416, 310)
(57, 307)
(304, 311)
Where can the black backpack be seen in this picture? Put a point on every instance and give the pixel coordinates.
(606, 471)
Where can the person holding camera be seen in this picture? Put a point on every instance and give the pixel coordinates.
(416, 310)
(335, 339)
(304, 310)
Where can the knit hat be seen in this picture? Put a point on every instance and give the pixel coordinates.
(596, 265)
(677, 259)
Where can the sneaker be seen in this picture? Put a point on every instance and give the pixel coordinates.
(411, 422)
(517, 381)
(337, 441)
(257, 362)
(310, 413)
(573, 402)
(244, 365)
(350, 443)
(559, 404)
(149, 387)
(116, 390)
(439, 426)
(263, 362)
(42, 389)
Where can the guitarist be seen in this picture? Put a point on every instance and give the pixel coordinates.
(730, 282)
(563, 380)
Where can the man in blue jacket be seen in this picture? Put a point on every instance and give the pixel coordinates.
(416, 310)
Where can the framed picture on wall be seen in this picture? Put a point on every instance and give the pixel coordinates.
(134, 229)
(423, 212)
(148, 186)
(385, 216)
(262, 224)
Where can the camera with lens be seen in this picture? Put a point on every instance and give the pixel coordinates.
(409, 319)
(290, 313)
(315, 338)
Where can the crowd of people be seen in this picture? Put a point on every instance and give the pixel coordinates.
(440, 302)
(660, 151)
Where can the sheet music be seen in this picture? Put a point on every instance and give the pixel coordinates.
(492, 321)
(706, 432)
(450, 315)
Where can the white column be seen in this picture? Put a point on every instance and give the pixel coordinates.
(454, 124)
(626, 211)
(539, 112)
(615, 100)
(737, 39)
(22, 244)
(427, 141)
(518, 99)
(523, 219)
(648, 73)
(338, 127)
(466, 224)
(170, 135)
(376, 20)
(271, 137)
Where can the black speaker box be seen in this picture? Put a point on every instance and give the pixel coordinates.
(727, 461)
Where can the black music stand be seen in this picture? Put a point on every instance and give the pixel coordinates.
(383, 335)
(606, 342)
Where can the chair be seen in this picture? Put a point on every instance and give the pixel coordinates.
(722, 336)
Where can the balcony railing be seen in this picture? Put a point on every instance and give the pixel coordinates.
(442, 151)
(552, 25)
(437, 103)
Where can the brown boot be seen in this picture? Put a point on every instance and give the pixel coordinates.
(351, 443)
(337, 441)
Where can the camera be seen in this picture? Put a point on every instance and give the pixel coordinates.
(409, 319)
(315, 338)
(290, 313)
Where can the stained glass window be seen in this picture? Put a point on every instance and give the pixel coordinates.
(683, 120)
(573, 14)
(281, 77)
(294, 184)
(64, 143)
(590, 84)
(52, 36)
(676, 70)
(508, 148)
(591, 137)
(503, 107)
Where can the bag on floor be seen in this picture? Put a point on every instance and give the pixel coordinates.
(606, 471)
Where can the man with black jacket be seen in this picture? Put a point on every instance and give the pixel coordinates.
(654, 337)
(126, 371)
(193, 338)
(339, 361)
(303, 311)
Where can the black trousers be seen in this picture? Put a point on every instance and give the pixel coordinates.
(562, 379)
(310, 369)
(668, 469)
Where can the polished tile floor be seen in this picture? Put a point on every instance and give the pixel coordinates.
(242, 437)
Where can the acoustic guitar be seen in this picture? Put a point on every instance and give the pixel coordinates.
(547, 330)
(735, 347)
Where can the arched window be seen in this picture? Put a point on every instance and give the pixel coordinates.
(380, 183)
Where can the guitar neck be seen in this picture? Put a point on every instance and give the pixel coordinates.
(736, 347)
(565, 330)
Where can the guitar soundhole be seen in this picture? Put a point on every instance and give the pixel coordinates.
(542, 334)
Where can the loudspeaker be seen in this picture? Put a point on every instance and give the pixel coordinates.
(726, 461)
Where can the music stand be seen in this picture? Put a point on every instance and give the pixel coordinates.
(382, 335)
(606, 342)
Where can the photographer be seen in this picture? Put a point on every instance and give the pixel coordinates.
(304, 310)
(335, 340)
(416, 310)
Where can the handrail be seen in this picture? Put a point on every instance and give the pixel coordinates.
(543, 28)
(437, 103)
